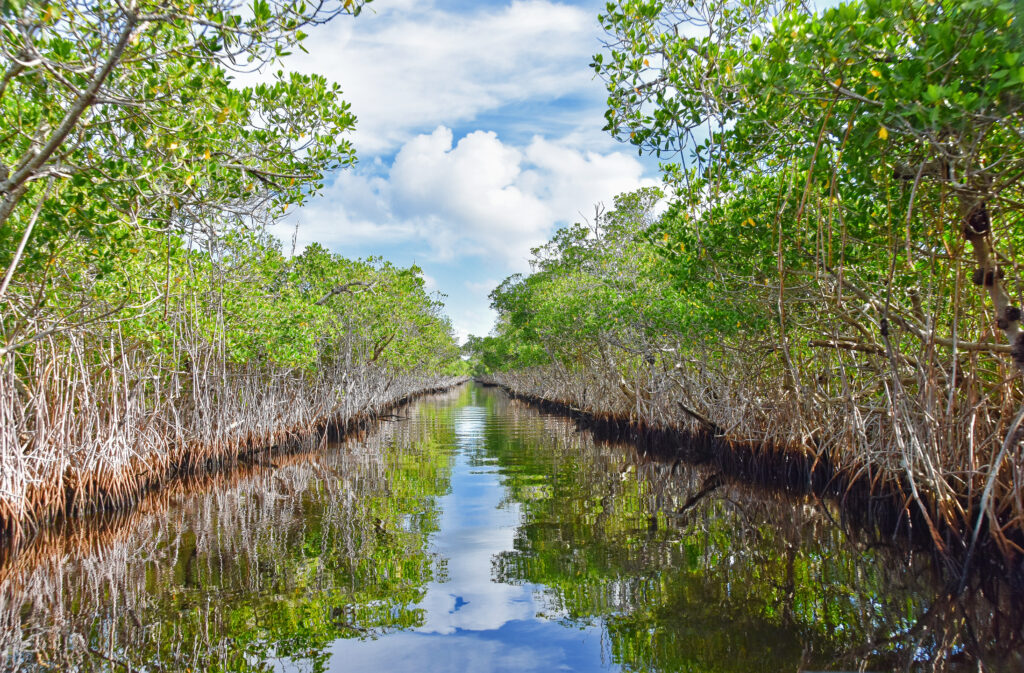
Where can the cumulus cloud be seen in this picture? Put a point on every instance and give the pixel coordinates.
(476, 197)
(473, 194)
(414, 66)
(479, 134)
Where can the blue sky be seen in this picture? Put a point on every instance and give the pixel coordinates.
(479, 134)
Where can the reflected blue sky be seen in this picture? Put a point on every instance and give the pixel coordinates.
(521, 645)
(472, 622)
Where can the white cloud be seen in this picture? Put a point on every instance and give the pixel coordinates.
(572, 181)
(464, 205)
(477, 197)
(473, 193)
(415, 66)
(430, 283)
(478, 204)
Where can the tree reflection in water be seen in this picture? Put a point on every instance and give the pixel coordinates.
(682, 570)
(231, 573)
(688, 573)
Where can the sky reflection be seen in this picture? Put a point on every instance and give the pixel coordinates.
(474, 623)
(479, 535)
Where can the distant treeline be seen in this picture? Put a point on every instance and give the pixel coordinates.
(836, 270)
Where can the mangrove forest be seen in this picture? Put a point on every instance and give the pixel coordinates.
(833, 275)
(752, 401)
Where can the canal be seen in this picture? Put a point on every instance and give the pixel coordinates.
(472, 532)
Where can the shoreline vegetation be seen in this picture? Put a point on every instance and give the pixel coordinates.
(250, 534)
(75, 537)
(876, 510)
(152, 323)
(832, 273)
(333, 542)
(119, 455)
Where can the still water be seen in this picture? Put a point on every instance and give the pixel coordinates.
(473, 533)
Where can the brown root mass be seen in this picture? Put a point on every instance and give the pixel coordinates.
(74, 442)
(895, 503)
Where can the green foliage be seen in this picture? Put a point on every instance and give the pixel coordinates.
(806, 152)
(838, 268)
(589, 283)
(767, 78)
(144, 209)
(140, 122)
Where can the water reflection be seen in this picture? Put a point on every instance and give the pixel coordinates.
(479, 534)
(472, 528)
(273, 567)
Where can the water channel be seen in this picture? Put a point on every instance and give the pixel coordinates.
(472, 532)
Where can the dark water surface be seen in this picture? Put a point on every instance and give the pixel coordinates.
(477, 534)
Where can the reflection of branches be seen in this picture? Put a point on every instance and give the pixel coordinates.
(123, 664)
(711, 483)
(241, 534)
(753, 554)
(898, 640)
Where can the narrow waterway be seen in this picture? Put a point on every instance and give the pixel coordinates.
(472, 532)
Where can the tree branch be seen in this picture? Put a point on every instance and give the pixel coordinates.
(10, 186)
(344, 287)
